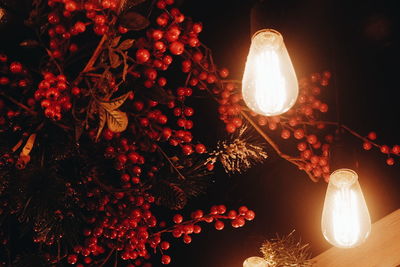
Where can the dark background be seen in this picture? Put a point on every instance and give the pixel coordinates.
(359, 42)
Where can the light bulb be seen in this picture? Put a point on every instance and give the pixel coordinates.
(269, 85)
(345, 218)
(255, 262)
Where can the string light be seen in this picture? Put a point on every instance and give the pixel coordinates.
(345, 218)
(269, 85)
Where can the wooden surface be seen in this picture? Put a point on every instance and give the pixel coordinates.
(381, 249)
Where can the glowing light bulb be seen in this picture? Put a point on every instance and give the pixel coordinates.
(269, 85)
(345, 217)
(255, 262)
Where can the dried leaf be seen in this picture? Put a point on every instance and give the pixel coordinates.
(125, 45)
(115, 103)
(29, 145)
(117, 121)
(115, 59)
(102, 121)
(158, 94)
(125, 70)
(78, 130)
(115, 41)
(134, 21)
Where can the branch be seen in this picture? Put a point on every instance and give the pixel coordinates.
(11, 99)
(292, 160)
(170, 162)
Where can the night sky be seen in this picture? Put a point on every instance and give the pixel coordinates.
(359, 42)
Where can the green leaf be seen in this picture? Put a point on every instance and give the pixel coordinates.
(134, 21)
(115, 103)
(125, 45)
(102, 121)
(117, 121)
(115, 59)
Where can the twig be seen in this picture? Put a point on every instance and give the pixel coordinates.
(18, 103)
(275, 146)
(107, 258)
(170, 162)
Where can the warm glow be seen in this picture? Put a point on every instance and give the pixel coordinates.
(345, 218)
(255, 262)
(269, 83)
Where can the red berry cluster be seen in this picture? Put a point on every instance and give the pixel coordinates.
(155, 54)
(369, 142)
(128, 231)
(184, 229)
(12, 74)
(66, 22)
(300, 122)
(53, 94)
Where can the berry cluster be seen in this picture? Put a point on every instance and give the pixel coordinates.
(369, 142)
(15, 80)
(66, 22)
(300, 122)
(53, 94)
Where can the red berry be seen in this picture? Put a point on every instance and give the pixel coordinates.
(238, 222)
(187, 149)
(224, 73)
(164, 245)
(210, 166)
(176, 48)
(16, 67)
(298, 133)
(72, 259)
(80, 26)
(142, 55)
(100, 19)
(178, 218)
(312, 139)
(197, 56)
(200, 148)
(219, 225)
(390, 161)
(385, 149)
(100, 29)
(71, 6)
(367, 145)
(285, 134)
(243, 210)
(302, 146)
(396, 149)
(197, 27)
(230, 127)
(187, 239)
(250, 215)
(372, 136)
(165, 259)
